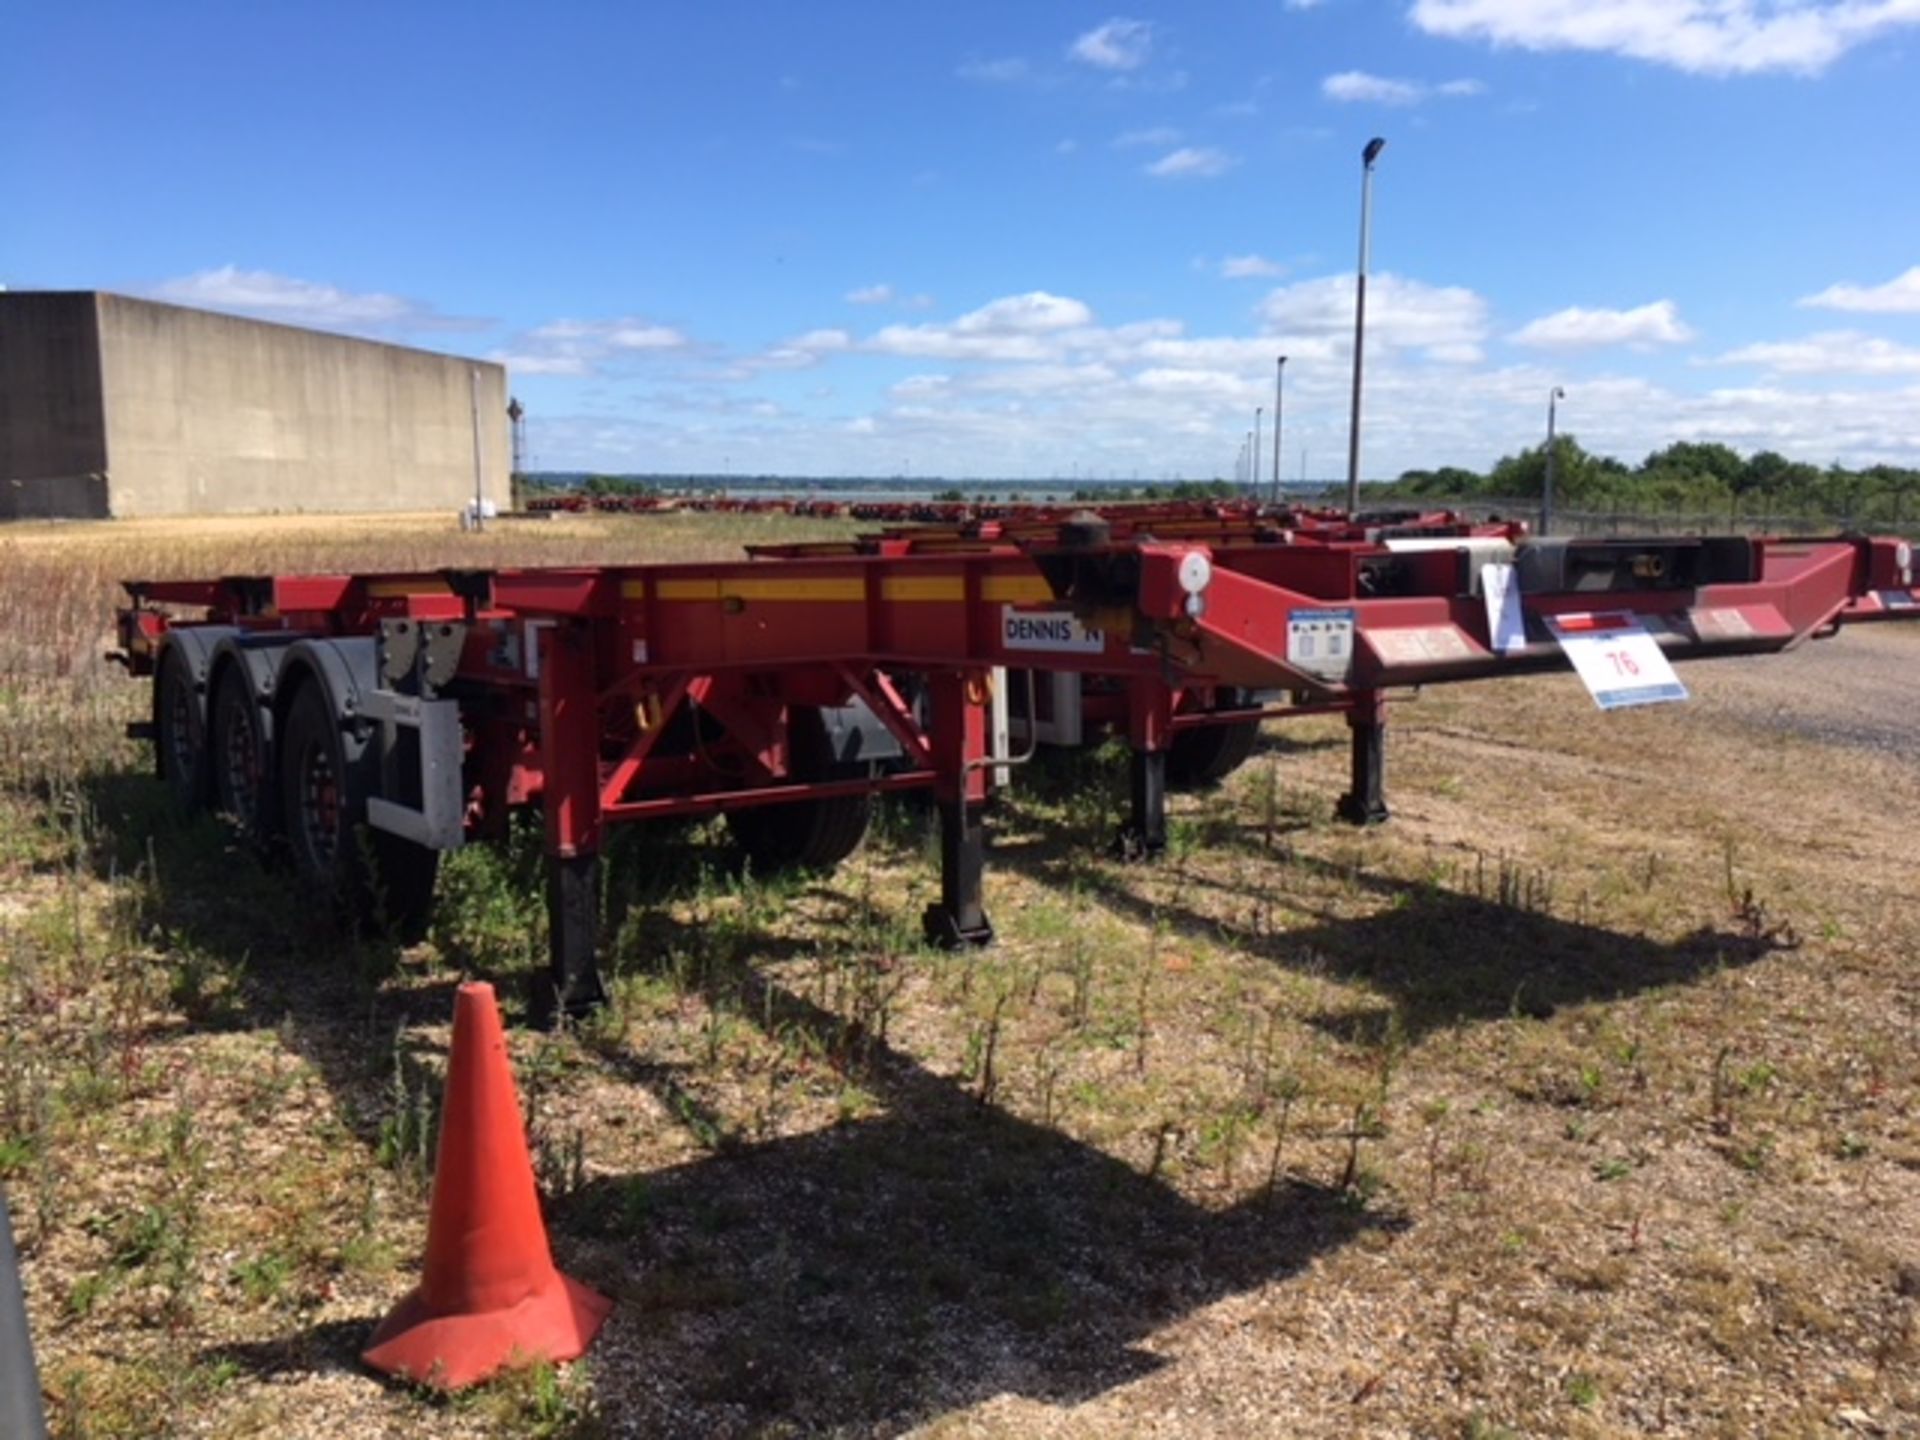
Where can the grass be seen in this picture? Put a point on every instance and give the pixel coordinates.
(1575, 1101)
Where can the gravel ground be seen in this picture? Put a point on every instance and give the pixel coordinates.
(1860, 690)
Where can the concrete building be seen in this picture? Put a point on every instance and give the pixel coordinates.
(111, 406)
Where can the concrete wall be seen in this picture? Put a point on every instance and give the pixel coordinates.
(53, 441)
(193, 413)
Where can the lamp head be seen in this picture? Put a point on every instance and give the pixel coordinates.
(1372, 152)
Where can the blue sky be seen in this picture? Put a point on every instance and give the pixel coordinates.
(1008, 239)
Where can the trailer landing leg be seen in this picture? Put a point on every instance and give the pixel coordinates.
(1144, 835)
(960, 919)
(571, 986)
(1366, 802)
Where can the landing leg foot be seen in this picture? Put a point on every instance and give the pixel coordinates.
(960, 918)
(1144, 836)
(1365, 803)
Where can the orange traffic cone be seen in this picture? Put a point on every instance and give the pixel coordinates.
(490, 1297)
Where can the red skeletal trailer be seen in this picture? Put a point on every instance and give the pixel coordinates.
(787, 689)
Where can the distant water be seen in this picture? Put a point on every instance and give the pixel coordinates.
(852, 490)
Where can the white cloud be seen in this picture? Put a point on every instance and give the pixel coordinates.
(529, 363)
(611, 335)
(1899, 296)
(1244, 267)
(1167, 420)
(1036, 384)
(1358, 87)
(801, 351)
(1447, 322)
(581, 347)
(1118, 44)
(939, 342)
(1223, 384)
(1034, 311)
(1832, 352)
(291, 301)
(1246, 354)
(1016, 327)
(1042, 379)
(1303, 4)
(1577, 328)
(885, 294)
(1708, 37)
(1158, 136)
(921, 385)
(1191, 163)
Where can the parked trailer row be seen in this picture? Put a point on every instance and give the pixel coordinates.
(368, 723)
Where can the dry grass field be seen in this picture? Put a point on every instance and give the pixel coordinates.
(1582, 1099)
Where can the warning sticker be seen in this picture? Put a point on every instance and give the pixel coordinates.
(1720, 624)
(1055, 630)
(1419, 644)
(1320, 642)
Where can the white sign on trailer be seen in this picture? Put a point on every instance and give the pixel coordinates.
(1618, 661)
(1055, 630)
(1505, 626)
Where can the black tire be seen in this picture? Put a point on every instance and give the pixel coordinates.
(244, 784)
(378, 881)
(179, 732)
(806, 834)
(1206, 754)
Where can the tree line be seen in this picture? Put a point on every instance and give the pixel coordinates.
(1685, 476)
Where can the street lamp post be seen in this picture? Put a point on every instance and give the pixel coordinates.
(1253, 472)
(1367, 157)
(1554, 397)
(1279, 376)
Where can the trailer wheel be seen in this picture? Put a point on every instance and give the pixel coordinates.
(243, 788)
(379, 881)
(179, 733)
(1206, 754)
(808, 834)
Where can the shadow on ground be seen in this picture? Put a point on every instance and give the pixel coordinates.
(876, 1275)
(1433, 956)
(881, 1273)
(860, 1279)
